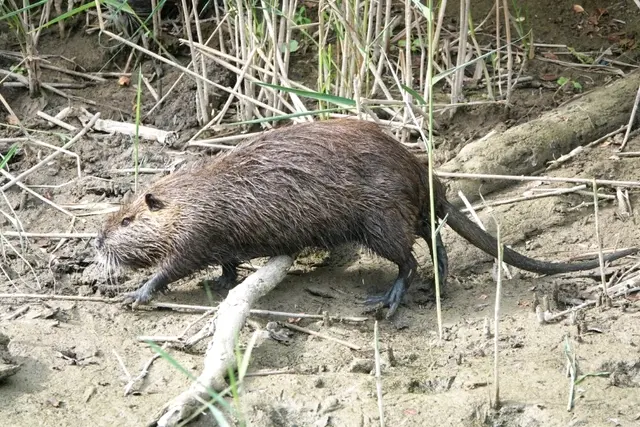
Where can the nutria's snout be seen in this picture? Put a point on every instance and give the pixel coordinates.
(98, 243)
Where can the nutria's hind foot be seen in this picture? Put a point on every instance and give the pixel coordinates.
(392, 298)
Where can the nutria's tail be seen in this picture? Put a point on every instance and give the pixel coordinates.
(482, 240)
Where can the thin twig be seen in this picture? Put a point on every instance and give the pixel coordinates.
(323, 336)
(631, 120)
(546, 193)
(59, 297)
(128, 389)
(600, 182)
(598, 239)
(186, 307)
(477, 220)
(496, 320)
(57, 122)
(376, 347)
(571, 371)
(122, 365)
(51, 235)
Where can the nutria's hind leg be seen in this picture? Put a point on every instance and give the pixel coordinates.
(443, 258)
(393, 297)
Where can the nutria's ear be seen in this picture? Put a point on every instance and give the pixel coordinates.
(127, 197)
(153, 203)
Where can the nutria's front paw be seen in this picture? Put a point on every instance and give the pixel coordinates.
(136, 298)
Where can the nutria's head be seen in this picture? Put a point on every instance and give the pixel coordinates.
(139, 235)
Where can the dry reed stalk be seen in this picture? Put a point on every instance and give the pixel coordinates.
(281, 31)
(458, 77)
(376, 348)
(223, 111)
(632, 119)
(269, 19)
(372, 14)
(383, 45)
(242, 31)
(496, 67)
(483, 65)
(507, 28)
(408, 62)
(598, 239)
(496, 321)
(438, 29)
(544, 193)
(201, 97)
(608, 182)
(155, 18)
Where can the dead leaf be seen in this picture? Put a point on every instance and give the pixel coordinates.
(634, 297)
(124, 81)
(88, 393)
(577, 8)
(13, 120)
(550, 55)
(54, 402)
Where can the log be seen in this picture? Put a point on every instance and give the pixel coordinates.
(526, 149)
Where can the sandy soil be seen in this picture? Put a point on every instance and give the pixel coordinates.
(71, 352)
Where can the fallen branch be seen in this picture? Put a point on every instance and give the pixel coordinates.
(527, 148)
(144, 132)
(220, 355)
(319, 335)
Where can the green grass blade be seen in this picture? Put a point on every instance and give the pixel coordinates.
(9, 155)
(287, 116)
(415, 94)
(18, 11)
(189, 375)
(66, 15)
(338, 100)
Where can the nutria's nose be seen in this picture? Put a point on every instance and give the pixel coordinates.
(99, 242)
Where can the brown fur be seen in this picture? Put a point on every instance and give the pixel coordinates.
(319, 184)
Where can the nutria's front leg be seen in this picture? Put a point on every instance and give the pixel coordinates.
(157, 283)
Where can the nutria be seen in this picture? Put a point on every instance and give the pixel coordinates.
(319, 184)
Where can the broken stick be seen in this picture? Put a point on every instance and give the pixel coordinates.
(220, 355)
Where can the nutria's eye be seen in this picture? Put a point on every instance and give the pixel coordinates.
(126, 221)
